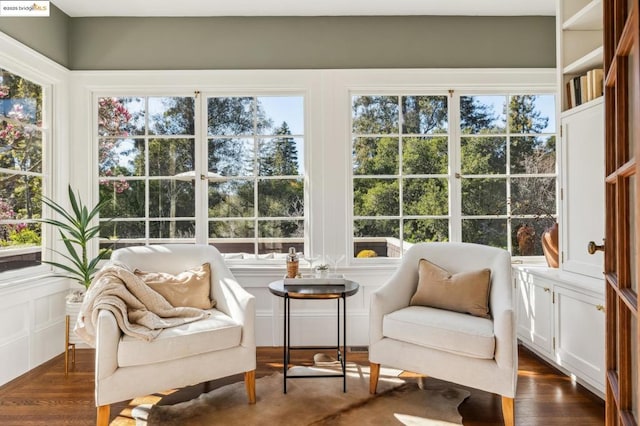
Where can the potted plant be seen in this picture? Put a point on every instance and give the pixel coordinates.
(322, 270)
(76, 232)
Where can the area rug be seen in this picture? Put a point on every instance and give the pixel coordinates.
(316, 401)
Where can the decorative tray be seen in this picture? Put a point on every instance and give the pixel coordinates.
(331, 279)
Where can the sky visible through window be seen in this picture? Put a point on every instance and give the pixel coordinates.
(544, 103)
(290, 109)
(279, 109)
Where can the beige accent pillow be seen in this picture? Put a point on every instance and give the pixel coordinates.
(189, 288)
(466, 292)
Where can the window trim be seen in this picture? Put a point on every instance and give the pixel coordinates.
(455, 176)
(25, 62)
(436, 82)
(200, 138)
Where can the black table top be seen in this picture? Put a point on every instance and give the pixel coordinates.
(306, 291)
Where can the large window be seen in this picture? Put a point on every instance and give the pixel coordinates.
(21, 171)
(400, 172)
(146, 151)
(256, 173)
(154, 167)
(507, 170)
(475, 168)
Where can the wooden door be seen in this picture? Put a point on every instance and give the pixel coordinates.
(621, 55)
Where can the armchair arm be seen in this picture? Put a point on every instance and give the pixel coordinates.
(239, 304)
(393, 295)
(504, 330)
(502, 310)
(107, 339)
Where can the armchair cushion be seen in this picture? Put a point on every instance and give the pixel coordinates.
(440, 329)
(466, 292)
(188, 288)
(217, 332)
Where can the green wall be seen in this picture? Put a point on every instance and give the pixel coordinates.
(289, 42)
(47, 35)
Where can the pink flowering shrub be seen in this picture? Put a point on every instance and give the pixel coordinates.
(113, 119)
(6, 212)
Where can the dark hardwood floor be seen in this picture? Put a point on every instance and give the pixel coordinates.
(44, 396)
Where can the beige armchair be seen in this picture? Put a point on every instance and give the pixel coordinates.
(452, 346)
(218, 346)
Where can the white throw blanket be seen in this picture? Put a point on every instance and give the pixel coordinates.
(140, 311)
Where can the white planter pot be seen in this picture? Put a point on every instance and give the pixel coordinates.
(72, 309)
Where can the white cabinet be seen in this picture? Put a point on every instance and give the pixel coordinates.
(534, 311)
(560, 316)
(582, 218)
(579, 25)
(579, 334)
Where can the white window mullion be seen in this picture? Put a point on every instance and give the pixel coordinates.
(147, 198)
(201, 168)
(455, 167)
(508, 173)
(400, 175)
(256, 175)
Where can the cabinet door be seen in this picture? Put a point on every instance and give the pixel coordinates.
(534, 311)
(580, 335)
(583, 182)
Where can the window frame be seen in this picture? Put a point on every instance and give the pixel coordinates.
(455, 176)
(53, 78)
(508, 175)
(327, 127)
(201, 139)
(256, 178)
(486, 82)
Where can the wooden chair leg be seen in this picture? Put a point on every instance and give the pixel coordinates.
(508, 413)
(374, 374)
(250, 385)
(103, 415)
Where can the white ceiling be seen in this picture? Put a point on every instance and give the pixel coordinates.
(76, 8)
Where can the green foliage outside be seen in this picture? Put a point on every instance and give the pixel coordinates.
(401, 169)
(252, 179)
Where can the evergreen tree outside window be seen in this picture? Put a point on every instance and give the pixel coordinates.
(508, 170)
(256, 149)
(146, 149)
(21, 171)
(400, 172)
(409, 151)
(250, 163)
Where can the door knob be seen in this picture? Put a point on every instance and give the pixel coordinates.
(592, 247)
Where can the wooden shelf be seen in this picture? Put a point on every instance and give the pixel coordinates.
(589, 18)
(593, 59)
(582, 106)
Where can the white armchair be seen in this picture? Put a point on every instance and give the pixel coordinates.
(456, 347)
(218, 346)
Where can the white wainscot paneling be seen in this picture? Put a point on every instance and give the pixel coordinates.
(313, 322)
(31, 325)
(14, 341)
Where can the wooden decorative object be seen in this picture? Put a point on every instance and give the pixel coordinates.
(550, 246)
